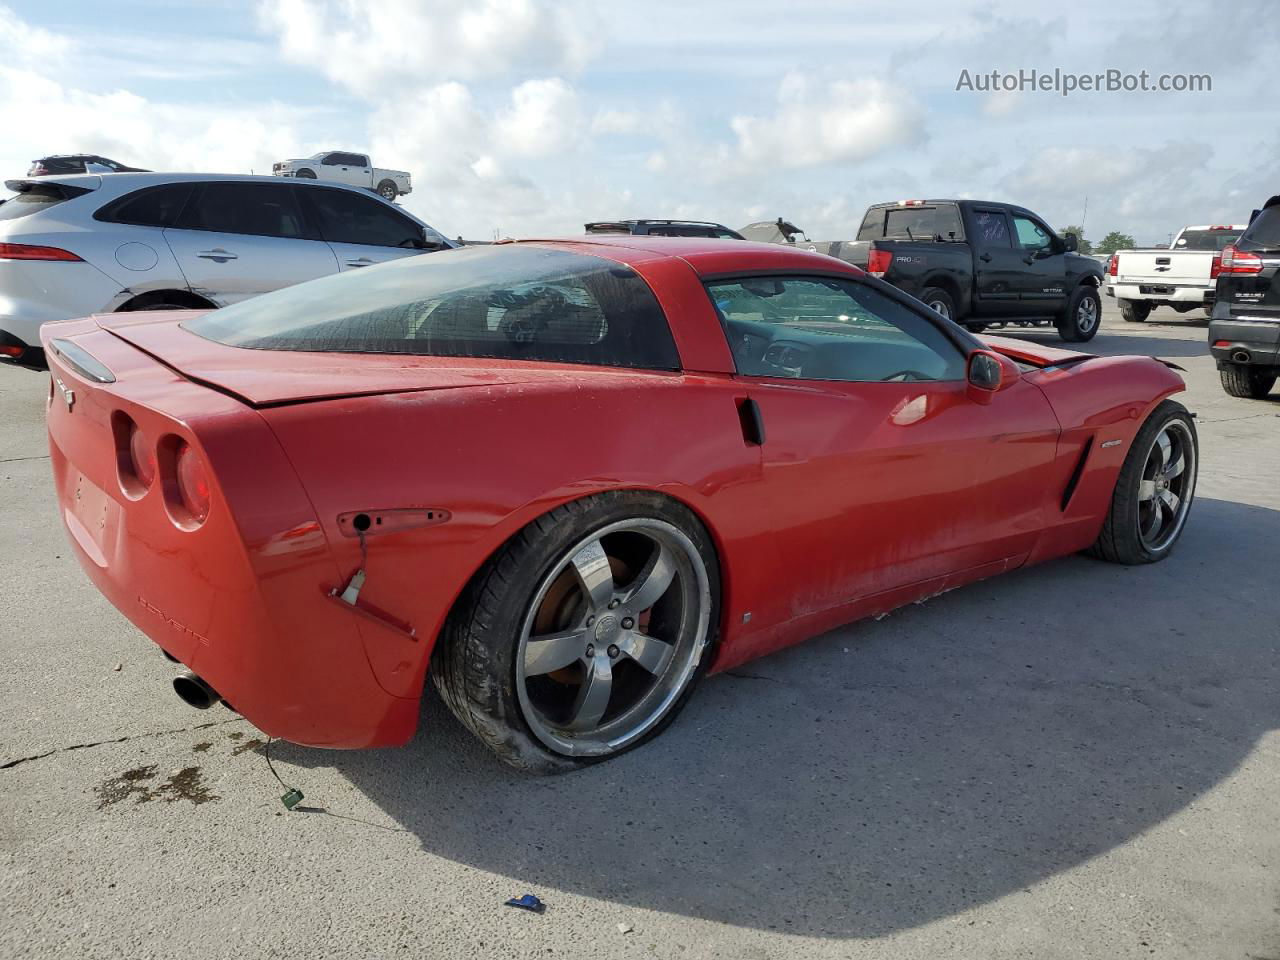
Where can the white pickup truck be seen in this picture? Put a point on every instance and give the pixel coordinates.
(352, 168)
(1181, 277)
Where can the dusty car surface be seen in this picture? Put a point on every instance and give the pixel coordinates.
(568, 478)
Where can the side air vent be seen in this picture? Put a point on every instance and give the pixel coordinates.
(1075, 474)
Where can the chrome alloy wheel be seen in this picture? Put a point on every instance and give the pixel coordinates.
(1167, 486)
(613, 637)
(1087, 314)
(940, 307)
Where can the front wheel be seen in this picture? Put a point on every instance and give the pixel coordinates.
(388, 190)
(305, 174)
(1154, 491)
(1247, 383)
(1080, 321)
(585, 634)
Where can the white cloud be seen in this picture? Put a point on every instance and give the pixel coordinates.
(544, 117)
(373, 48)
(825, 121)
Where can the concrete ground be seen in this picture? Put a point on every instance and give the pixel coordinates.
(1076, 760)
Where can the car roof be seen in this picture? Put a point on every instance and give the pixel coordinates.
(705, 255)
(125, 182)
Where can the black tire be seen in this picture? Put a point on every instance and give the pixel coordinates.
(163, 306)
(474, 662)
(1135, 311)
(387, 190)
(939, 301)
(1185, 307)
(975, 327)
(1120, 540)
(1245, 382)
(305, 174)
(1080, 321)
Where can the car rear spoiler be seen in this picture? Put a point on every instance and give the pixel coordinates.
(53, 185)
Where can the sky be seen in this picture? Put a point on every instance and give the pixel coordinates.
(530, 117)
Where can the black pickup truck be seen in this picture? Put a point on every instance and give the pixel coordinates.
(979, 263)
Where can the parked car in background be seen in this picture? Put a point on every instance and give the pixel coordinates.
(72, 246)
(353, 169)
(337, 489)
(1244, 324)
(1179, 276)
(664, 228)
(979, 263)
(64, 163)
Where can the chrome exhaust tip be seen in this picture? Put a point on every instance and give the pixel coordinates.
(194, 692)
(1240, 356)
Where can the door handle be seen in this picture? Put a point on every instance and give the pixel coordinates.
(985, 258)
(752, 422)
(217, 254)
(362, 262)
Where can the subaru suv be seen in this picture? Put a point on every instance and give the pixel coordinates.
(71, 246)
(1244, 326)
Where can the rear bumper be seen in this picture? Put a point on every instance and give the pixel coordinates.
(240, 599)
(1254, 342)
(1155, 290)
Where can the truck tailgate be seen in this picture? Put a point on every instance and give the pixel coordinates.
(1164, 266)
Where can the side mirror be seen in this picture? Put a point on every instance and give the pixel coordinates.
(1072, 242)
(988, 373)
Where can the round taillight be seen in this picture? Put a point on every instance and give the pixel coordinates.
(193, 483)
(142, 456)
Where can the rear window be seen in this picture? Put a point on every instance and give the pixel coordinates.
(501, 302)
(912, 223)
(1206, 239)
(1264, 232)
(36, 198)
(149, 207)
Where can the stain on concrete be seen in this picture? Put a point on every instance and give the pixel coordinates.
(184, 784)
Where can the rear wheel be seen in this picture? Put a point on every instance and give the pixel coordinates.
(939, 301)
(1135, 311)
(387, 190)
(975, 327)
(585, 634)
(1080, 321)
(1154, 491)
(1248, 383)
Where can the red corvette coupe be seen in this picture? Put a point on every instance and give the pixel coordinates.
(567, 478)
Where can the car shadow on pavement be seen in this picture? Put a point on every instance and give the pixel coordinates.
(890, 773)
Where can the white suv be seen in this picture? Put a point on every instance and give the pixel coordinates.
(75, 245)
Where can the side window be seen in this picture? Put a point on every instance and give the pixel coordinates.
(151, 207)
(814, 328)
(359, 161)
(332, 160)
(346, 217)
(992, 228)
(1031, 236)
(257, 209)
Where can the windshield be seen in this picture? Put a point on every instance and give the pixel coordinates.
(503, 302)
(1213, 239)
